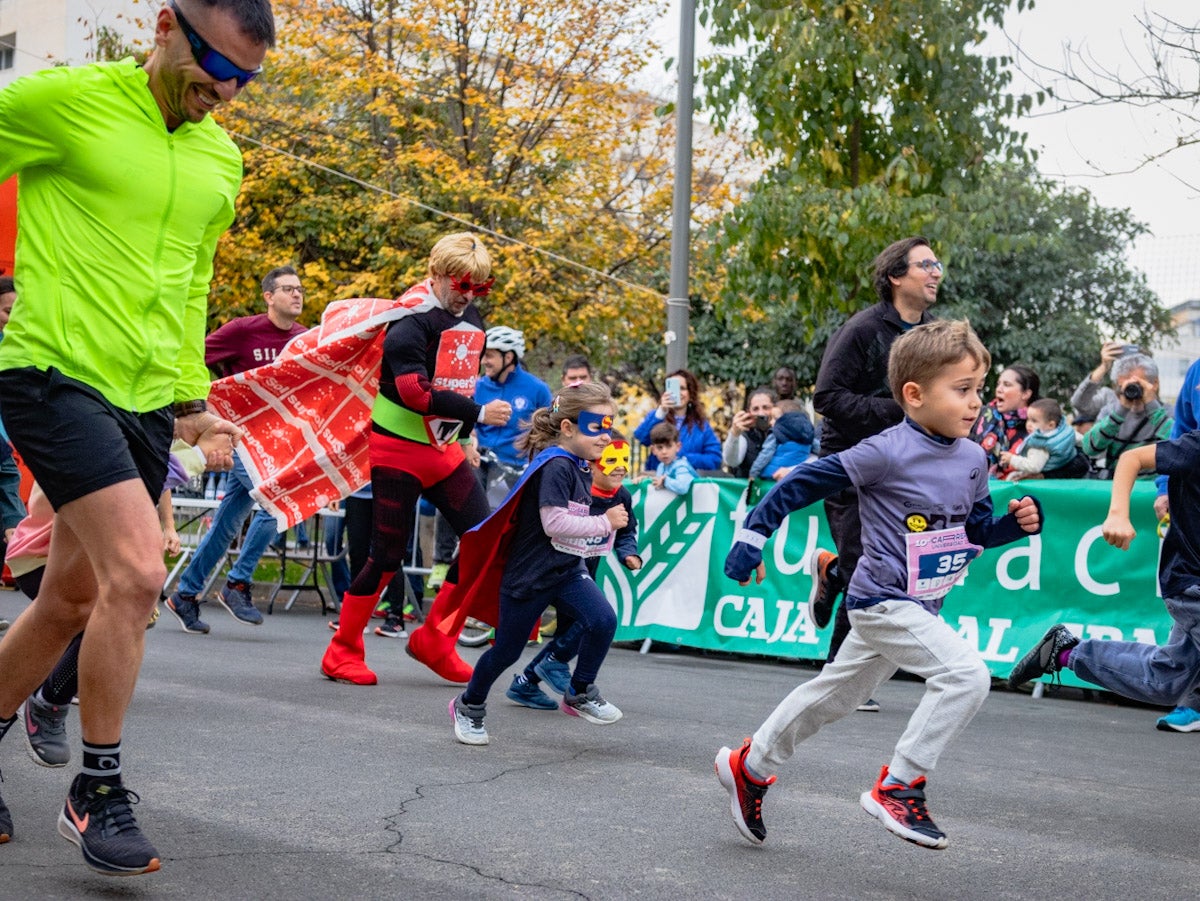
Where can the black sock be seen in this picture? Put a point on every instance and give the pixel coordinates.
(579, 688)
(102, 761)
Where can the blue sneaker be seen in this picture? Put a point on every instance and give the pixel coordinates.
(554, 673)
(235, 597)
(1181, 719)
(529, 695)
(187, 611)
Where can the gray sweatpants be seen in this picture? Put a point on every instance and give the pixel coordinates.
(883, 638)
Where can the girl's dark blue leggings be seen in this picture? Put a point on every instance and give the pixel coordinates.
(518, 615)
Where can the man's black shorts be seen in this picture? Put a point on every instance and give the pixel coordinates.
(75, 442)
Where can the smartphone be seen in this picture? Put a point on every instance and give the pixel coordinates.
(1129, 349)
(762, 423)
(673, 386)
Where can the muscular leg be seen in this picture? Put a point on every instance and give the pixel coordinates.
(107, 579)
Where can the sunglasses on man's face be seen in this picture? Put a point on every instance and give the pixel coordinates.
(464, 286)
(216, 64)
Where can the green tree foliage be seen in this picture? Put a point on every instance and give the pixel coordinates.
(1040, 271)
(877, 120)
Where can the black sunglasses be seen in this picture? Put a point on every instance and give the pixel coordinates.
(216, 64)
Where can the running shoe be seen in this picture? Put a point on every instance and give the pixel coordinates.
(393, 627)
(870, 705)
(4, 624)
(529, 695)
(235, 597)
(1181, 719)
(745, 792)
(468, 722)
(554, 673)
(901, 810)
(98, 817)
(824, 593)
(46, 732)
(187, 611)
(589, 706)
(1043, 659)
(153, 617)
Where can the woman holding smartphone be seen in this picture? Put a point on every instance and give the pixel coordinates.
(680, 403)
(747, 432)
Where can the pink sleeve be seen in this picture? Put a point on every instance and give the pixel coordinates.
(557, 522)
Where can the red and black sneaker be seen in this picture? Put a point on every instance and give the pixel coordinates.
(745, 792)
(901, 809)
(825, 588)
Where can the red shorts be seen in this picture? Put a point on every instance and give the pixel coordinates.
(428, 463)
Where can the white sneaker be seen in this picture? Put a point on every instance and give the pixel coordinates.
(590, 706)
(468, 722)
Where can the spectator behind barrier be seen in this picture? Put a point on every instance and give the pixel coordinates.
(1001, 425)
(788, 445)
(1049, 450)
(1092, 396)
(1138, 418)
(674, 472)
(747, 432)
(698, 442)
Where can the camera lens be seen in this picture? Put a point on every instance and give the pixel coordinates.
(1132, 391)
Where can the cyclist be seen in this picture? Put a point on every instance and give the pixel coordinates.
(504, 378)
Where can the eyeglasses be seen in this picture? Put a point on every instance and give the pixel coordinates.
(211, 61)
(289, 289)
(463, 285)
(929, 266)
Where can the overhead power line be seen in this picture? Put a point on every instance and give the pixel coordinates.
(549, 254)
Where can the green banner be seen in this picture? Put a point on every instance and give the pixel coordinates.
(1008, 599)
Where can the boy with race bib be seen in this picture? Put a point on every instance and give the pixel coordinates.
(926, 513)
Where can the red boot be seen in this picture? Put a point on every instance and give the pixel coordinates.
(345, 658)
(433, 643)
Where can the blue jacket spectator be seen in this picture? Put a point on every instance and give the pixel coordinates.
(788, 445)
(698, 441)
(505, 379)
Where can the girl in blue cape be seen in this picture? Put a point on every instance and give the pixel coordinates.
(550, 532)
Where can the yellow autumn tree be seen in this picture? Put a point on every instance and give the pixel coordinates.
(375, 117)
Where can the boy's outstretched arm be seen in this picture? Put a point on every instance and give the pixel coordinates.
(804, 485)
(1024, 517)
(1117, 529)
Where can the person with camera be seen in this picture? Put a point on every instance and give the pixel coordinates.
(1137, 419)
(747, 432)
(1092, 396)
(680, 403)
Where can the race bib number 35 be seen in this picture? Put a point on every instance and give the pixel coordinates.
(937, 561)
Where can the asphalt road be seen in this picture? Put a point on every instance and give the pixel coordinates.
(263, 780)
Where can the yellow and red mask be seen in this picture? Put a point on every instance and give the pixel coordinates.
(615, 456)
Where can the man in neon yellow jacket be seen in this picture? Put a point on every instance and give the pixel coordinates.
(125, 185)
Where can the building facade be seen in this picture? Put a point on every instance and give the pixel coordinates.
(35, 34)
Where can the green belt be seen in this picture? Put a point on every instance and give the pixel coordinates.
(399, 420)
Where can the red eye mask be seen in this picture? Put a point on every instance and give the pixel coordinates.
(463, 285)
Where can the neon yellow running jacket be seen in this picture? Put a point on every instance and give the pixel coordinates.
(118, 220)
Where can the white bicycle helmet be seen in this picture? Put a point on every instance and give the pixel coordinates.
(503, 338)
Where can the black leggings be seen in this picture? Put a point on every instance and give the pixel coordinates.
(458, 497)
